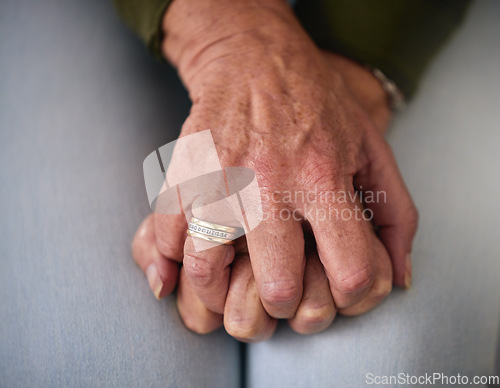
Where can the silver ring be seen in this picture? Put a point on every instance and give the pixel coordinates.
(213, 232)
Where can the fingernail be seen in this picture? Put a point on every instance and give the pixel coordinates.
(408, 272)
(155, 283)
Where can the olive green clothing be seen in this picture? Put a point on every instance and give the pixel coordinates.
(397, 36)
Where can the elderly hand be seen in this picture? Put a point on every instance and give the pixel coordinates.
(305, 122)
(244, 316)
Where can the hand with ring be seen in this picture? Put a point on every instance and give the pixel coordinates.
(304, 121)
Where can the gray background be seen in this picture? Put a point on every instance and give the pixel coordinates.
(447, 145)
(81, 106)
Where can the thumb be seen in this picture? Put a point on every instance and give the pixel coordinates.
(160, 271)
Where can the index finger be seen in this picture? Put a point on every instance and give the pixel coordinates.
(276, 249)
(393, 209)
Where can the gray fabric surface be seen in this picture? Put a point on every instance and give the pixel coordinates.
(81, 105)
(447, 146)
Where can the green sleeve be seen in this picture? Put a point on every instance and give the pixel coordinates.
(397, 36)
(144, 18)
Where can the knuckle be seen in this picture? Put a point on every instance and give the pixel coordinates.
(143, 251)
(137, 247)
(267, 166)
(356, 281)
(322, 174)
(201, 271)
(142, 240)
(197, 325)
(413, 218)
(244, 329)
(312, 316)
(381, 289)
(281, 292)
(168, 249)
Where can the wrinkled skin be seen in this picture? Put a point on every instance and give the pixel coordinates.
(304, 121)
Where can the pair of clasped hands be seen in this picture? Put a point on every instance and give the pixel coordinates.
(303, 120)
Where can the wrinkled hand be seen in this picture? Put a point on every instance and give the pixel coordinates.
(244, 316)
(305, 122)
